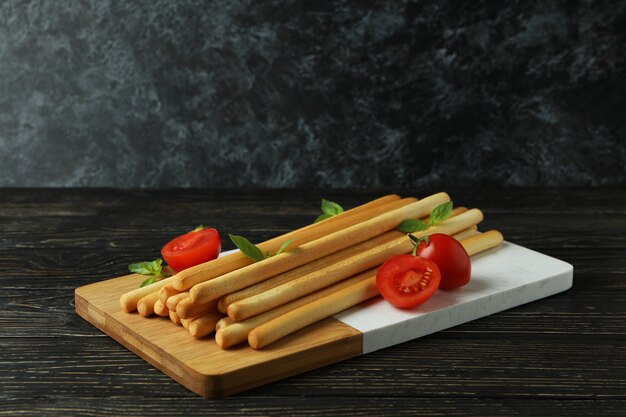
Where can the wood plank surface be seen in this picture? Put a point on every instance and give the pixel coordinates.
(563, 355)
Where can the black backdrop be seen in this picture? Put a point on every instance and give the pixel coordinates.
(174, 93)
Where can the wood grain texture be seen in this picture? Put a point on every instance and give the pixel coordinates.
(200, 364)
(563, 355)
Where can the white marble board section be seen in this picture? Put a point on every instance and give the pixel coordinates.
(502, 278)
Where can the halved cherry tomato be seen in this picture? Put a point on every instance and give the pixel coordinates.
(193, 248)
(451, 258)
(407, 281)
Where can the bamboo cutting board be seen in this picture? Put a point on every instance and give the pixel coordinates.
(502, 278)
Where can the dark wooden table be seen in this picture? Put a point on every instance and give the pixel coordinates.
(564, 355)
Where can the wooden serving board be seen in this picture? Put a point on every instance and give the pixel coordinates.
(502, 278)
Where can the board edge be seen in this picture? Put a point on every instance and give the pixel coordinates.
(196, 383)
(210, 385)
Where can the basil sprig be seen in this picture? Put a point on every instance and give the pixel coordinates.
(329, 209)
(439, 214)
(152, 269)
(252, 251)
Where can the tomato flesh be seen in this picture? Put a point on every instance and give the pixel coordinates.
(192, 248)
(451, 258)
(407, 281)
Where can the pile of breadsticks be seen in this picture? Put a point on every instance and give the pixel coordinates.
(328, 267)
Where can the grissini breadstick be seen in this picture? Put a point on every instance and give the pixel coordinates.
(237, 332)
(341, 300)
(185, 280)
(145, 306)
(160, 309)
(481, 242)
(174, 317)
(313, 312)
(223, 322)
(285, 277)
(364, 207)
(332, 273)
(166, 292)
(469, 232)
(316, 280)
(203, 272)
(455, 212)
(130, 300)
(280, 279)
(204, 324)
(308, 252)
(454, 225)
(173, 301)
(458, 210)
(186, 309)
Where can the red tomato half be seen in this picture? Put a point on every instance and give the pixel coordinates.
(192, 248)
(407, 281)
(451, 258)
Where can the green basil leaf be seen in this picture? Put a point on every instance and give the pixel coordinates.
(147, 268)
(440, 213)
(152, 269)
(331, 208)
(282, 247)
(412, 225)
(149, 281)
(247, 248)
(321, 217)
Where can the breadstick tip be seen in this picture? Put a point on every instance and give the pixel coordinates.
(219, 339)
(253, 340)
(194, 293)
(177, 283)
(194, 329)
(143, 309)
(482, 242)
(234, 312)
(496, 234)
(174, 317)
(125, 303)
(222, 307)
(440, 195)
(222, 323)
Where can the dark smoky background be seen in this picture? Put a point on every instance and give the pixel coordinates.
(175, 93)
